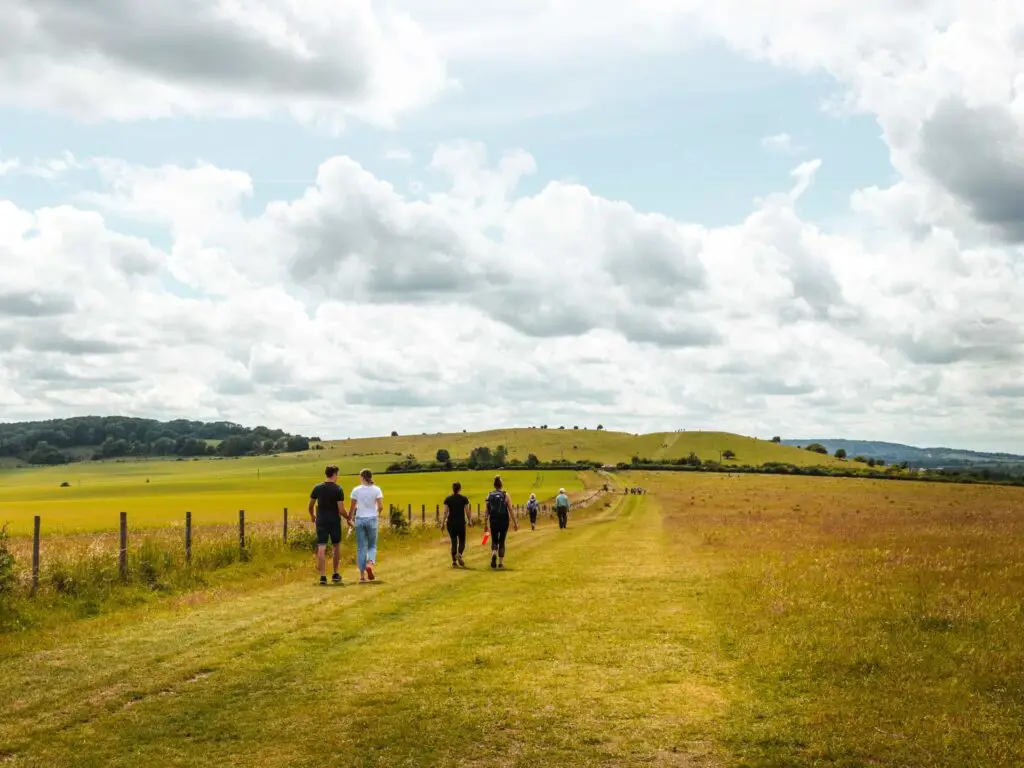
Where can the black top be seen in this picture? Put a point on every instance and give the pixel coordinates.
(456, 504)
(327, 496)
(497, 504)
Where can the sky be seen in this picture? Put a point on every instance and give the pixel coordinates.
(343, 219)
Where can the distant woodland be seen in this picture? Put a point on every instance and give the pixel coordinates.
(59, 441)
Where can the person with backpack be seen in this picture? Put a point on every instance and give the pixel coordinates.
(366, 503)
(457, 515)
(499, 517)
(562, 504)
(533, 506)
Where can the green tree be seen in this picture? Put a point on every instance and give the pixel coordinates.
(728, 454)
(297, 443)
(44, 453)
(817, 448)
(840, 453)
(532, 461)
(442, 456)
(776, 439)
(600, 427)
(480, 458)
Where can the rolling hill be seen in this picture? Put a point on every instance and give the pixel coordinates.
(573, 445)
(895, 453)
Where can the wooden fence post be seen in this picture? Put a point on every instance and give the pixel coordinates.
(188, 537)
(241, 529)
(35, 554)
(437, 514)
(423, 514)
(410, 514)
(284, 527)
(122, 555)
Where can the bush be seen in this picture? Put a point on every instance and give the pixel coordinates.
(817, 448)
(399, 522)
(7, 577)
(302, 539)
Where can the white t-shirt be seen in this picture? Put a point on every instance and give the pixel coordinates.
(365, 497)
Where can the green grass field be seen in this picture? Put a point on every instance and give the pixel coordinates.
(214, 490)
(733, 621)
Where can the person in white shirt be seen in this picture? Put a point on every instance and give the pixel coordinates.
(366, 504)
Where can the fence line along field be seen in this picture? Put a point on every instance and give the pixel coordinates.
(159, 492)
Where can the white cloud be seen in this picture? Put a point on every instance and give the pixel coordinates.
(319, 60)
(594, 310)
(399, 154)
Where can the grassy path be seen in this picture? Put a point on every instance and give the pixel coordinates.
(589, 650)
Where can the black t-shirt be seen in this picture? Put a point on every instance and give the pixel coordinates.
(457, 504)
(327, 495)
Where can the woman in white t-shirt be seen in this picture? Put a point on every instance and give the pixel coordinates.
(366, 503)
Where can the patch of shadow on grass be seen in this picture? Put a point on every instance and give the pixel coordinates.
(935, 624)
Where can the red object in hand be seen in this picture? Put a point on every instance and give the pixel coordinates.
(487, 535)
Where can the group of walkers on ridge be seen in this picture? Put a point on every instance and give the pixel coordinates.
(366, 504)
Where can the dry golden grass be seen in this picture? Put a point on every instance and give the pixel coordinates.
(864, 622)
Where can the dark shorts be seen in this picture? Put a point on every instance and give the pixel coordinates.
(331, 531)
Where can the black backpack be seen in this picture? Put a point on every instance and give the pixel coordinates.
(496, 504)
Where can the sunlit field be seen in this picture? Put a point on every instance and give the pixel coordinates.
(859, 622)
(159, 492)
(744, 620)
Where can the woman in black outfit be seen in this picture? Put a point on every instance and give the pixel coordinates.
(457, 515)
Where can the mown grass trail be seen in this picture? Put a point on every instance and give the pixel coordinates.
(579, 654)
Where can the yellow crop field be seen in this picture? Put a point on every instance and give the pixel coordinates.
(159, 492)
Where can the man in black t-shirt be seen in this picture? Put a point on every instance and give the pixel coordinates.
(457, 513)
(329, 499)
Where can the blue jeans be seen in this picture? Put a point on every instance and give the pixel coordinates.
(366, 541)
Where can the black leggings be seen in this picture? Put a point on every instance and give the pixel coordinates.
(499, 530)
(458, 537)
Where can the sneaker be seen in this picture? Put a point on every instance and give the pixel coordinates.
(454, 564)
(369, 572)
(323, 581)
(494, 561)
(501, 566)
(336, 578)
(462, 563)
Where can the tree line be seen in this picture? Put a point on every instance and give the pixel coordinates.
(59, 441)
(483, 457)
